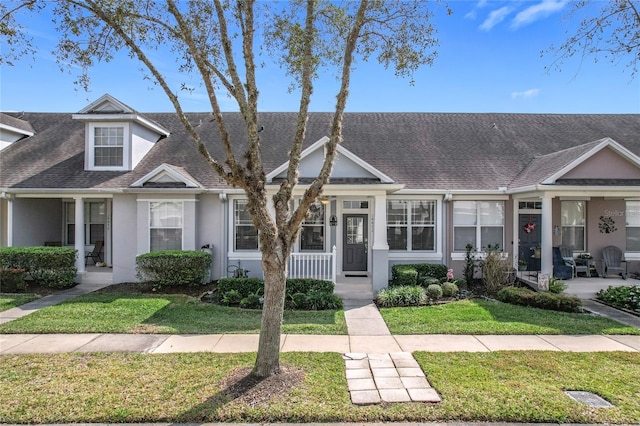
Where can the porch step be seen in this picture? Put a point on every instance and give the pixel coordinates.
(96, 278)
(355, 291)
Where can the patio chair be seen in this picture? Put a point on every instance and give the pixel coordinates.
(560, 268)
(95, 254)
(567, 256)
(613, 262)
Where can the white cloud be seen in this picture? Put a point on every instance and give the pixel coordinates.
(537, 11)
(526, 94)
(495, 17)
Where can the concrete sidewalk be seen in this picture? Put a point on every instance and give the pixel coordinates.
(236, 343)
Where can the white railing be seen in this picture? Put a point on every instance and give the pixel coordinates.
(321, 266)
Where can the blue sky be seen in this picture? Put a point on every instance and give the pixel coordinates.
(489, 60)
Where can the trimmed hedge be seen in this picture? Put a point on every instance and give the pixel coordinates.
(416, 274)
(301, 293)
(543, 299)
(173, 267)
(50, 266)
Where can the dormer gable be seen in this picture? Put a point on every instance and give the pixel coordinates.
(347, 167)
(167, 176)
(13, 129)
(117, 137)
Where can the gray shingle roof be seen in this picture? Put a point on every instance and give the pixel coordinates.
(16, 122)
(438, 151)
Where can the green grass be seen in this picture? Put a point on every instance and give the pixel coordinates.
(478, 316)
(136, 313)
(10, 300)
(494, 387)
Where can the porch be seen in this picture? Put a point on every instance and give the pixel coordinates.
(582, 287)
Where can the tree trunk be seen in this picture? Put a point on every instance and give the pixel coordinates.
(268, 360)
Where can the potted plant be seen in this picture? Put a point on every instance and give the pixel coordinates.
(522, 265)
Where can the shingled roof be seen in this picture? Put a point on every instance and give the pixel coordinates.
(429, 151)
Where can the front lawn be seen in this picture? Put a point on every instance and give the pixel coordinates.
(482, 387)
(12, 300)
(479, 316)
(172, 314)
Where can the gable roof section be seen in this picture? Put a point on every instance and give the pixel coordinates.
(166, 175)
(16, 125)
(549, 169)
(108, 108)
(354, 165)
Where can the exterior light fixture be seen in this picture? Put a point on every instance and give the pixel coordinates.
(333, 221)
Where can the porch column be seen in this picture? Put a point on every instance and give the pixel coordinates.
(546, 244)
(380, 248)
(79, 232)
(10, 204)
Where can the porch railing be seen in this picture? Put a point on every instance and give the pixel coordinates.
(321, 266)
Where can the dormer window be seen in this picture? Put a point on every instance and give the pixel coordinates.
(107, 145)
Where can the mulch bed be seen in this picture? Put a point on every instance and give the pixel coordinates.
(240, 386)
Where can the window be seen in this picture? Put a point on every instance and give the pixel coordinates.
(165, 225)
(632, 214)
(312, 229)
(94, 222)
(108, 143)
(411, 225)
(479, 223)
(573, 224)
(246, 235)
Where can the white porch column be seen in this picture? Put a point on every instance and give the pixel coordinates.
(380, 247)
(79, 225)
(380, 223)
(546, 244)
(10, 221)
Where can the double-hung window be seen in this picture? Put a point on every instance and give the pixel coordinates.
(411, 225)
(245, 233)
(632, 215)
(108, 146)
(573, 217)
(478, 223)
(165, 225)
(313, 228)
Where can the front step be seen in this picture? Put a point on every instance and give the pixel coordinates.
(357, 291)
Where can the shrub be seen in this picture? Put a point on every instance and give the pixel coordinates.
(50, 266)
(12, 280)
(252, 301)
(496, 270)
(431, 270)
(544, 300)
(462, 284)
(403, 275)
(469, 263)
(434, 291)
(301, 293)
(401, 296)
(173, 267)
(556, 285)
(627, 297)
(449, 289)
(231, 298)
(427, 281)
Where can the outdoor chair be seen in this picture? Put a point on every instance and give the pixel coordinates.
(567, 256)
(95, 254)
(613, 262)
(560, 268)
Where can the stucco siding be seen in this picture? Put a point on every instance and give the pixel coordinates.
(606, 164)
(211, 230)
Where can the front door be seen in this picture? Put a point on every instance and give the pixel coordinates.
(354, 253)
(530, 235)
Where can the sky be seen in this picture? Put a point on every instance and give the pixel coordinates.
(489, 60)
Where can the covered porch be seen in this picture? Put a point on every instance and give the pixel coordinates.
(583, 287)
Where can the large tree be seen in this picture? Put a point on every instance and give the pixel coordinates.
(215, 42)
(606, 29)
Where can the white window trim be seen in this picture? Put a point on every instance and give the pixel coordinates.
(478, 227)
(149, 227)
(126, 144)
(298, 245)
(584, 226)
(87, 223)
(409, 225)
(232, 252)
(630, 255)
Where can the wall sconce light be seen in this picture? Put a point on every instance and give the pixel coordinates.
(556, 230)
(325, 200)
(333, 221)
